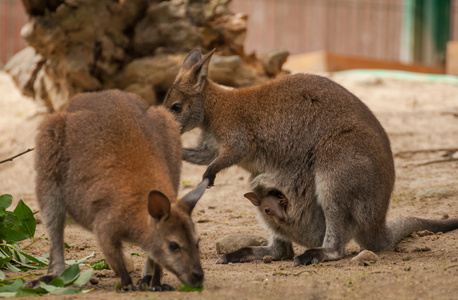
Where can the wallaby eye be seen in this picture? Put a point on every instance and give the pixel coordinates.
(177, 107)
(174, 247)
(267, 210)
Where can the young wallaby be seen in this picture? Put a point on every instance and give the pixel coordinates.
(322, 146)
(113, 165)
(273, 205)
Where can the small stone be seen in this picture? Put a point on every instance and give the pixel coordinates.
(407, 258)
(235, 242)
(425, 233)
(365, 258)
(421, 249)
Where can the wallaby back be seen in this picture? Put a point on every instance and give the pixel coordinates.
(114, 166)
(311, 139)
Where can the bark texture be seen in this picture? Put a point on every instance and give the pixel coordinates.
(134, 45)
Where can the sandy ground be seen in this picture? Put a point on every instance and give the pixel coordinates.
(416, 114)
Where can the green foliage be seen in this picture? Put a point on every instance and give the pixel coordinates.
(58, 286)
(16, 226)
(187, 288)
(100, 265)
(19, 225)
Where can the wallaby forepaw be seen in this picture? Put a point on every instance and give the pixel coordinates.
(311, 256)
(126, 288)
(144, 283)
(211, 179)
(161, 288)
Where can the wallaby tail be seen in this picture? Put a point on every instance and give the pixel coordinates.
(398, 229)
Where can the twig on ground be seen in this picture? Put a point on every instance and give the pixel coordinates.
(430, 162)
(17, 155)
(448, 152)
(455, 114)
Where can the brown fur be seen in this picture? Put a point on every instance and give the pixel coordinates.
(113, 165)
(309, 138)
(273, 205)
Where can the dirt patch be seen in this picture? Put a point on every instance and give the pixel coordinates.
(416, 115)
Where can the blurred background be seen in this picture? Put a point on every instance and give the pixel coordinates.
(408, 31)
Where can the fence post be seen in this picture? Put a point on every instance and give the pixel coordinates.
(425, 32)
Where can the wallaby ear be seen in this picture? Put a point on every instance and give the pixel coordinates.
(253, 198)
(158, 205)
(191, 59)
(200, 71)
(191, 198)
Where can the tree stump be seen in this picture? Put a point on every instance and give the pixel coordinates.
(134, 45)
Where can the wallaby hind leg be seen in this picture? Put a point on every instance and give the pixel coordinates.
(333, 196)
(338, 234)
(277, 248)
(49, 165)
(53, 213)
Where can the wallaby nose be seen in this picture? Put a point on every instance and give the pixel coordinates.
(198, 276)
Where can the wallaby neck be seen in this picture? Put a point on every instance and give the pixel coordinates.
(216, 97)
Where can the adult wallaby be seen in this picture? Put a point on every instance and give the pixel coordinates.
(325, 150)
(113, 165)
(272, 205)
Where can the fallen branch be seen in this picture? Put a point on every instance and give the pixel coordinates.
(455, 114)
(430, 162)
(448, 152)
(17, 155)
(292, 274)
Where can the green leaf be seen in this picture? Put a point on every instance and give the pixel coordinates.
(25, 214)
(70, 275)
(37, 260)
(5, 201)
(100, 265)
(12, 268)
(84, 277)
(56, 282)
(12, 287)
(2, 275)
(11, 229)
(66, 291)
(7, 295)
(49, 287)
(79, 261)
(31, 292)
(187, 288)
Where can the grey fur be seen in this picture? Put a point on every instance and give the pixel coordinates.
(312, 140)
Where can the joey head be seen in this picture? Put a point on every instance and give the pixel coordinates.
(273, 205)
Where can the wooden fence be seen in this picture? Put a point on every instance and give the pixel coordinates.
(12, 18)
(370, 28)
